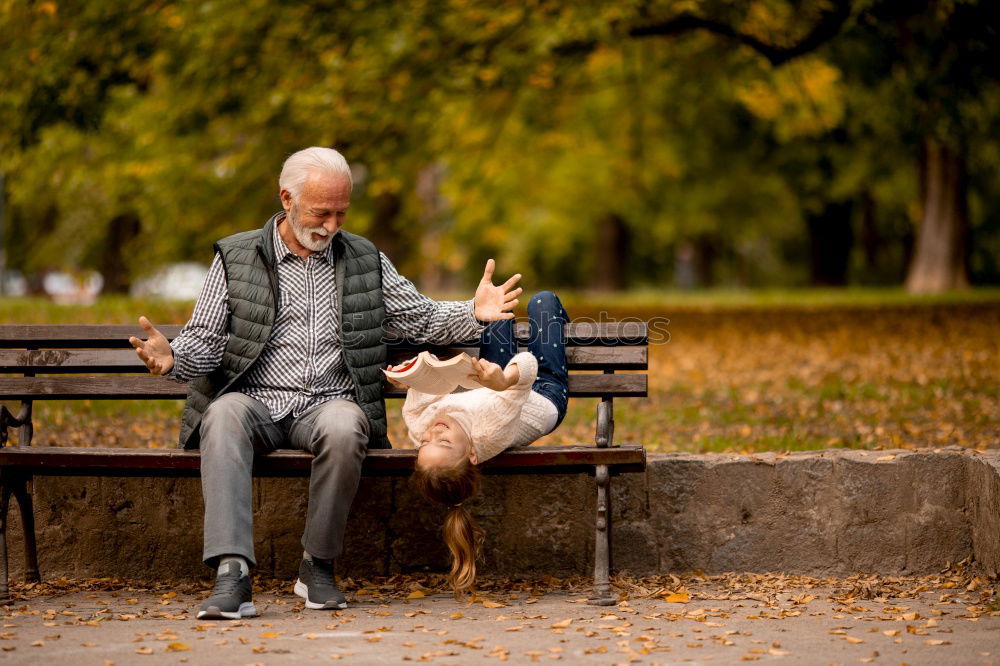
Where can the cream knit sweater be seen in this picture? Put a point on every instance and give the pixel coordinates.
(494, 420)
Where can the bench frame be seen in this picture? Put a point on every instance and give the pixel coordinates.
(44, 349)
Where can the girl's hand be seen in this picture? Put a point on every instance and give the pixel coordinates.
(491, 375)
(395, 382)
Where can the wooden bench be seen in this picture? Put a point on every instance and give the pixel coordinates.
(97, 363)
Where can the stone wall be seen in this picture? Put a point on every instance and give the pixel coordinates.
(820, 513)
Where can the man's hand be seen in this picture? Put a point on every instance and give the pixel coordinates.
(155, 352)
(492, 376)
(492, 302)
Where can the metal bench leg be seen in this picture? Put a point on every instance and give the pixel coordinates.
(602, 546)
(4, 505)
(22, 491)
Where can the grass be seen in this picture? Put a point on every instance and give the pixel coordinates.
(779, 371)
(716, 299)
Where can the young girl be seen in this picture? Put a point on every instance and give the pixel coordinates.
(524, 397)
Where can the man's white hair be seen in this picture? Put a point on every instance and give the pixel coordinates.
(300, 165)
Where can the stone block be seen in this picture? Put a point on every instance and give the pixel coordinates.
(819, 513)
(984, 510)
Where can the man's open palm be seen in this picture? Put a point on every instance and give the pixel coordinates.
(155, 351)
(494, 302)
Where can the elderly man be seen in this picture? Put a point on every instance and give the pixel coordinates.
(285, 349)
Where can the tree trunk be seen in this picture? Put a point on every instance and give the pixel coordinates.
(940, 258)
(121, 231)
(831, 238)
(611, 252)
(384, 232)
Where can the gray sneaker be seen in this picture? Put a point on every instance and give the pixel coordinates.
(317, 587)
(231, 598)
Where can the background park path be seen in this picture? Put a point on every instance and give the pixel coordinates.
(696, 620)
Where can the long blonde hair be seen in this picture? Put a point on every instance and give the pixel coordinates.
(451, 486)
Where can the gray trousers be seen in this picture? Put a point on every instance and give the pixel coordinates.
(235, 427)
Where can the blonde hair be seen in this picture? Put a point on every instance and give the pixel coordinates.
(451, 486)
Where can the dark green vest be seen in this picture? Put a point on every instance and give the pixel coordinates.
(252, 281)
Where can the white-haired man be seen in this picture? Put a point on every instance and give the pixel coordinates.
(284, 349)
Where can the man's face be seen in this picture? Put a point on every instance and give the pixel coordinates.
(317, 214)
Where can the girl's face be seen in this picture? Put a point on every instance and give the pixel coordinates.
(444, 444)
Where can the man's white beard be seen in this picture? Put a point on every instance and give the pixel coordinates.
(305, 236)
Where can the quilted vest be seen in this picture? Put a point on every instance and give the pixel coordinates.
(249, 262)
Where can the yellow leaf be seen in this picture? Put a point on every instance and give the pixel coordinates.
(416, 594)
(852, 639)
(374, 639)
(144, 650)
(562, 624)
(270, 634)
(891, 632)
(677, 598)
(492, 604)
(934, 642)
(177, 647)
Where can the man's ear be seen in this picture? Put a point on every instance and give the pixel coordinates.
(473, 458)
(286, 199)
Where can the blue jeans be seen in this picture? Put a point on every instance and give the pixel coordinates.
(547, 342)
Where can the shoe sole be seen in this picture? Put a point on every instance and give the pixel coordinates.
(303, 591)
(246, 609)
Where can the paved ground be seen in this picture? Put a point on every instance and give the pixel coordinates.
(714, 626)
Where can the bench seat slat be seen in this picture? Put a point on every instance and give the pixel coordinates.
(112, 337)
(97, 361)
(158, 388)
(60, 461)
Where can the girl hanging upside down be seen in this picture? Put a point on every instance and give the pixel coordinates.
(524, 397)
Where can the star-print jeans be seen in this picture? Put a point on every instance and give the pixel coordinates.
(546, 341)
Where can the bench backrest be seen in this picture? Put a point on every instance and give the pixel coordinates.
(97, 362)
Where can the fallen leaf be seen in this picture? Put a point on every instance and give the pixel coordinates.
(416, 594)
(177, 647)
(562, 624)
(144, 650)
(677, 598)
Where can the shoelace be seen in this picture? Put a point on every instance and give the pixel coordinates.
(226, 585)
